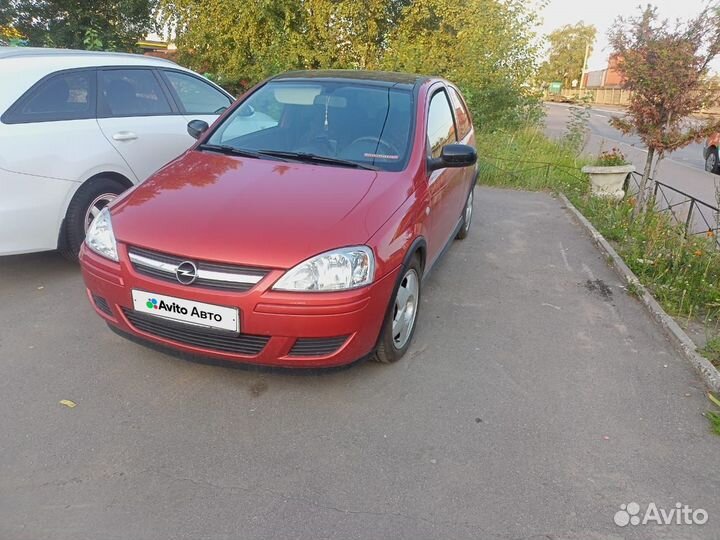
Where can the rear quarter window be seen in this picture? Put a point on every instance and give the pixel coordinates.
(66, 95)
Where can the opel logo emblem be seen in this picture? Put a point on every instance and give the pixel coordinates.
(186, 272)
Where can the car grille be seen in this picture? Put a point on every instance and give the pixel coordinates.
(206, 338)
(317, 346)
(209, 275)
(102, 304)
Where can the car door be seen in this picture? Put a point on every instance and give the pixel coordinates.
(466, 135)
(444, 185)
(50, 139)
(196, 97)
(140, 119)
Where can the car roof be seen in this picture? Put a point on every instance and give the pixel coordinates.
(383, 78)
(99, 56)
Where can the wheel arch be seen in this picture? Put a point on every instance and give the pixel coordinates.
(418, 246)
(114, 175)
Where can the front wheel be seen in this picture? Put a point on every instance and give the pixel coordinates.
(399, 325)
(711, 162)
(87, 203)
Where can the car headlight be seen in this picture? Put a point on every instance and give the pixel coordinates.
(100, 237)
(336, 270)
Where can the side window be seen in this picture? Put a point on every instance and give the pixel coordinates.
(65, 96)
(195, 95)
(132, 92)
(440, 126)
(461, 115)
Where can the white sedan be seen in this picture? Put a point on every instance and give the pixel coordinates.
(78, 128)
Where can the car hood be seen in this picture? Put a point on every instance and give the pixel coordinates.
(253, 211)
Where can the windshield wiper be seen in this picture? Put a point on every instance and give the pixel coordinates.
(234, 151)
(306, 157)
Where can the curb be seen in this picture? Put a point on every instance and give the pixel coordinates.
(680, 340)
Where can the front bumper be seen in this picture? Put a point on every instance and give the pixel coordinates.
(276, 328)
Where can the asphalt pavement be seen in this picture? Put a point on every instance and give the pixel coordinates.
(537, 398)
(683, 169)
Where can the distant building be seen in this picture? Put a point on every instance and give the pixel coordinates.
(153, 45)
(609, 77)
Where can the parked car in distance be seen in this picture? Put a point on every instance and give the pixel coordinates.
(300, 244)
(77, 128)
(710, 153)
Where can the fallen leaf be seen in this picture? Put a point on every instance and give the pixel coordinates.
(712, 398)
(68, 403)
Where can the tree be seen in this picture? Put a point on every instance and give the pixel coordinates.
(485, 46)
(567, 53)
(666, 66)
(116, 24)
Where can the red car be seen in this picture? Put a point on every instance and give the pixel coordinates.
(710, 153)
(297, 231)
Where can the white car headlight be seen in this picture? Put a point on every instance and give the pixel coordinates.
(336, 270)
(100, 237)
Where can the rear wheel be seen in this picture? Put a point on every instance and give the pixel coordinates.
(87, 203)
(712, 163)
(466, 217)
(399, 325)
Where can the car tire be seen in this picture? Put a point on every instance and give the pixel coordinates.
(399, 324)
(712, 163)
(466, 216)
(89, 199)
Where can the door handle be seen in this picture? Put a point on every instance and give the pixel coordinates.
(124, 136)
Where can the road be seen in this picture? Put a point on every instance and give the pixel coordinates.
(537, 397)
(683, 169)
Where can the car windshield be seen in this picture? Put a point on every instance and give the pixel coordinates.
(341, 123)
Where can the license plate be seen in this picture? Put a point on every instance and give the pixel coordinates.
(186, 311)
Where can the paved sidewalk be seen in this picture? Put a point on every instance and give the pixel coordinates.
(537, 398)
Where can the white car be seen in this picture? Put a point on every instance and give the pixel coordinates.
(77, 128)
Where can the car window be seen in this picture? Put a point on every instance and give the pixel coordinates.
(65, 96)
(461, 115)
(132, 92)
(365, 124)
(440, 126)
(195, 95)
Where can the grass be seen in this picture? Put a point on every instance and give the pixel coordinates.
(526, 159)
(714, 416)
(682, 273)
(711, 351)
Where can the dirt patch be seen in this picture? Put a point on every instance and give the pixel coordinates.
(258, 388)
(599, 288)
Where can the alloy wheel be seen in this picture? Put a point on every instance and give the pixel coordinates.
(468, 210)
(98, 203)
(710, 162)
(405, 309)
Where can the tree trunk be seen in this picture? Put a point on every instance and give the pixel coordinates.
(642, 190)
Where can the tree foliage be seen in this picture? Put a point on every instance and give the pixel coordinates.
(666, 66)
(486, 46)
(117, 24)
(567, 53)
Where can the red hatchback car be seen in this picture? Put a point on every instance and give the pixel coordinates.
(297, 231)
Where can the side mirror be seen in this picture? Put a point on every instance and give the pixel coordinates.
(195, 128)
(453, 155)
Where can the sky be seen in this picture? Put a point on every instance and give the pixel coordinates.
(602, 13)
